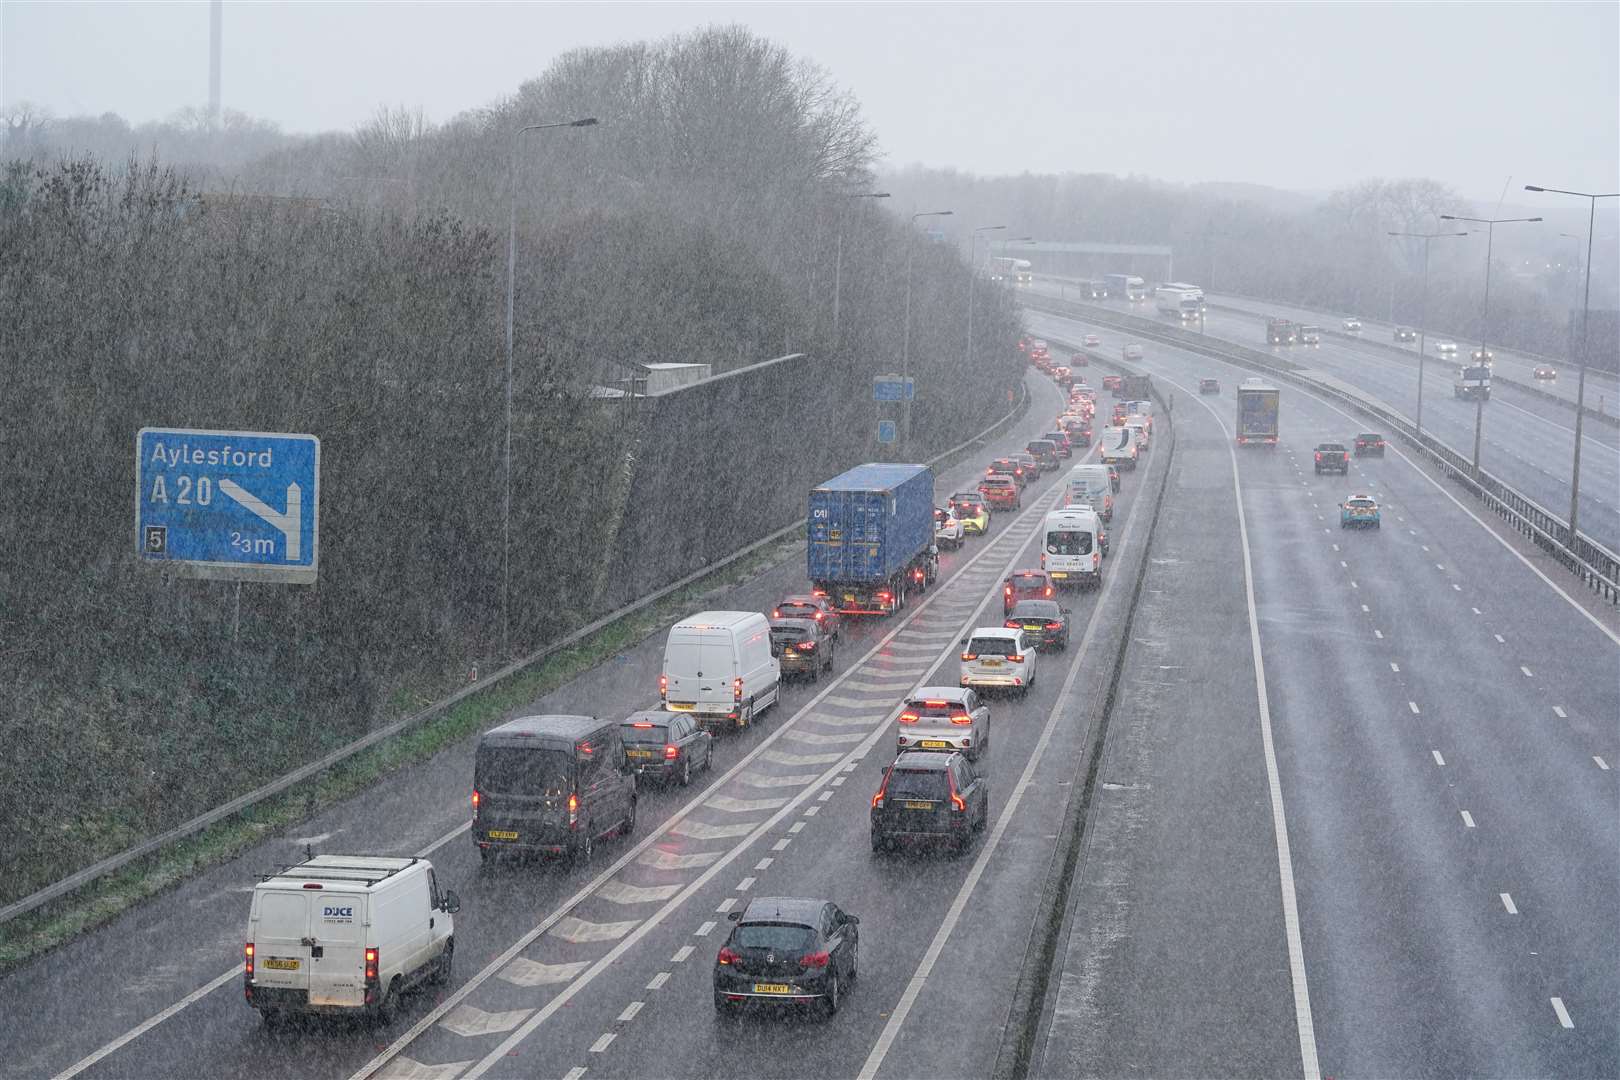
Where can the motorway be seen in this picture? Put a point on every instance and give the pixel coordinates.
(1527, 441)
(1427, 779)
(605, 970)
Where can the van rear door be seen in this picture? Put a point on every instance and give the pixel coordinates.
(337, 969)
(281, 953)
(720, 666)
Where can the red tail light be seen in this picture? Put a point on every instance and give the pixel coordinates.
(1319, 455)
(476, 798)
(736, 689)
(1049, 590)
(1016, 658)
(247, 959)
(1012, 624)
(970, 656)
(805, 646)
(815, 959)
(663, 687)
(776, 613)
(671, 752)
(820, 615)
(372, 964)
(1054, 626)
(1007, 589)
(908, 718)
(726, 956)
(573, 810)
(961, 718)
(958, 803)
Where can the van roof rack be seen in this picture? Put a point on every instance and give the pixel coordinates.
(349, 869)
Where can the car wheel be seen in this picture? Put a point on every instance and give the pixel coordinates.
(1378, 524)
(628, 826)
(834, 996)
(447, 959)
(815, 673)
(584, 847)
(686, 771)
(708, 758)
(878, 843)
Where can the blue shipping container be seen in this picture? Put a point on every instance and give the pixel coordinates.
(868, 524)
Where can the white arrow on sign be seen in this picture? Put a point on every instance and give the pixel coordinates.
(288, 524)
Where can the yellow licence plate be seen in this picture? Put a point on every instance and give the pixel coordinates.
(502, 834)
(638, 753)
(281, 963)
(933, 744)
(772, 988)
(1033, 626)
(919, 805)
(992, 663)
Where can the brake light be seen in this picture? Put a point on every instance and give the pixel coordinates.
(805, 646)
(885, 596)
(908, 718)
(663, 687)
(671, 751)
(1054, 626)
(815, 959)
(247, 959)
(736, 689)
(961, 718)
(1012, 624)
(1007, 589)
(970, 656)
(1016, 658)
(820, 615)
(776, 613)
(726, 955)
(476, 798)
(1319, 455)
(372, 964)
(1049, 590)
(573, 810)
(642, 723)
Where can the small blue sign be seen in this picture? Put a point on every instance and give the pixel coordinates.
(231, 505)
(886, 431)
(893, 388)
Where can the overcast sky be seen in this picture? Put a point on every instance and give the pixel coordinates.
(1307, 96)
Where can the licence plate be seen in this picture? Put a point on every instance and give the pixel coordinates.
(502, 834)
(281, 963)
(935, 744)
(992, 663)
(789, 653)
(680, 706)
(1056, 574)
(1037, 626)
(772, 988)
(638, 753)
(849, 597)
(919, 806)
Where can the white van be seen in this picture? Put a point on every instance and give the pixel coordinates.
(718, 666)
(1072, 546)
(1089, 486)
(1138, 426)
(1119, 447)
(346, 934)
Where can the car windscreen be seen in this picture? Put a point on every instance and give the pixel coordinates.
(1068, 542)
(996, 646)
(523, 770)
(935, 707)
(1362, 504)
(786, 635)
(655, 734)
(797, 611)
(1369, 437)
(930, 784)
(1027, 581)
(1035, 609)
(785, 938)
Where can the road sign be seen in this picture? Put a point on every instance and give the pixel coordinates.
(893, 387)
(229, 505)
(886, 431)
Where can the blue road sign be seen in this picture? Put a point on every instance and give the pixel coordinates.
(893, 388)
(886, 431)
(232, 505)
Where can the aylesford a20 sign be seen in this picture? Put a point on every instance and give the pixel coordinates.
(232, 505)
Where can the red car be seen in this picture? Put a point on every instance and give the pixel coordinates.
(1001, 492)
(1009, 467)
(1110, 382)
(1025, 585)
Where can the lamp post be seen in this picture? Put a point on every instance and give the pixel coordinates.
(1485, 312)
(838, 258)
(1580, 386)
(905, 345)
(973, 272)
(511, 293)
(1423, 313)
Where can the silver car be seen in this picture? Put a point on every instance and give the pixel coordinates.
(944, 718)
(999, 656)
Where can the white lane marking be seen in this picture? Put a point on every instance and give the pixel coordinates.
(1474, 610)
(811, 811)
(1353, 584)
(1527, 672)
(746, 883)
(1335, 547)
(825, 795)
(1439, 566)
(630, 1011)
(572, 1074)
(1379, 634)
(798, 826)
(1563, 1013)
(1344, 564)
(1507, 902)
(617, 892)
(764, 780)
(525, 972)
(1468, 820)
(1604, 765)
(1425, 547)
(1455, 587)
(233, 972)
(810, 738)
(838, 781)
(602, 1044)
(781, 845)
(681, 954)
(658, 980)
(1414, 707)
(577, 931)
(1500, 640)
(1365, 608)
(1393, 666)
(704, 928)
(702, 830)
(1438, 760)
(726, 905)
(659, 859)
(744, 806)
(781, 757)
(469, 1022)
(764, 864)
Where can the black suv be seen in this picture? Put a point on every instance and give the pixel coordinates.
(928, 796)
(787, 949)
(1332, 457)
(1369, 443)
(666, 745)
(1045, 452)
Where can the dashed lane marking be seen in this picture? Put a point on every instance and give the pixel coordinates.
(617, 892)
(658, 980)
(1500, 640)
(1438, 760)
(603, 1043)
(726, 905)
(764, 864)
(1468, 820)
(1393, 666)
(525, 972)
(1527, 672)
(630, 1011)
(812, 810)
(745, 884)
(1507, 902)
(798, 826)
(705, 928)
(781, 845)
(1563, 1013)
(467, 1021)
(1379, 634)
(1604, 765)
(681, 954)
(572, 1074)
(1414, 707)
(699, 830)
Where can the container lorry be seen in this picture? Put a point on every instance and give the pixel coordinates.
(1257, 407)
(871, 537)
(1136, 387)
(1126, 287)
(1280, 332)
(1179, 300)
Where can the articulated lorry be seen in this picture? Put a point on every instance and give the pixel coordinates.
(1125, 287)
(871, 537)
(1473, 381)
(1281, 332)
(1257, 408)
(1180, 300)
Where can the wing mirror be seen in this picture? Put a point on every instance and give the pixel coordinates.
(853, 920)
(450, 901)
(734, 916)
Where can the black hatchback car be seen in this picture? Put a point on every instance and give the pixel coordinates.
(666, 745)
(929, 796)
(1042, 620)
(788, 950)
(802, 647)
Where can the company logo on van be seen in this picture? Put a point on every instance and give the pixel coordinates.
(339, 913)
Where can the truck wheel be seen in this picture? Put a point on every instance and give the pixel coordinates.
(447, 960)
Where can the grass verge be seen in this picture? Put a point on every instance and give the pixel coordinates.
(37, 932)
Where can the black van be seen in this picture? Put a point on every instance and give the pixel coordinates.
(551, 784)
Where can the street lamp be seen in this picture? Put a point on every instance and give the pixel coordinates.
(905, 346)
(511, 292)
(1423, 313)
(973, 272)
(1485, 313)
(1586, 309)
(838, 259)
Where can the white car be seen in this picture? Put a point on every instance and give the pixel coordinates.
(1091, 341)
(1133, 351)
(1352, 326)
(1446, 348)
(948, 529)
(943, 718)
(999, 656)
